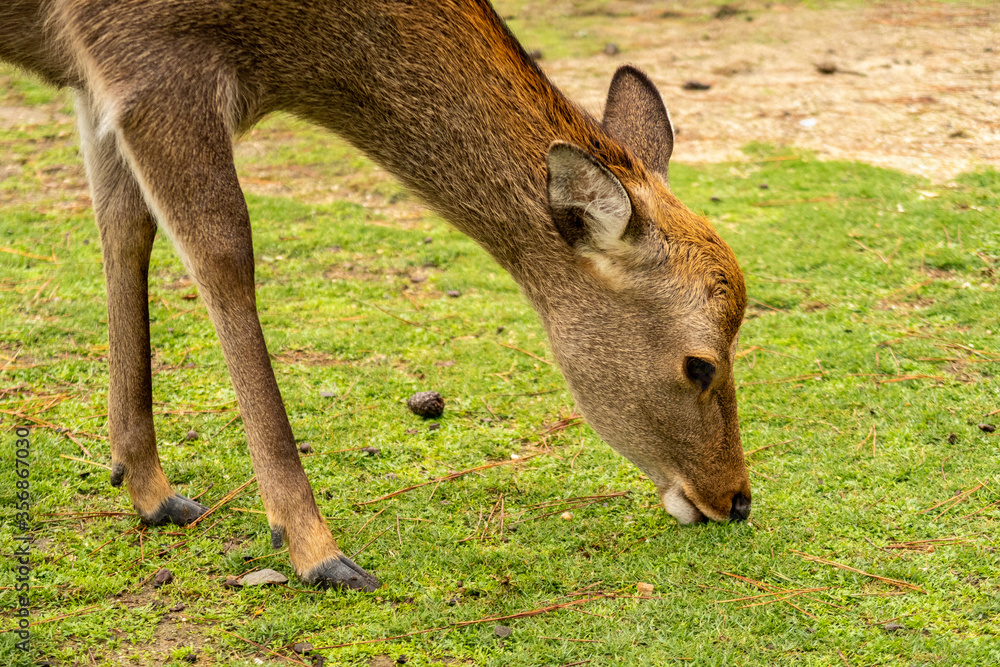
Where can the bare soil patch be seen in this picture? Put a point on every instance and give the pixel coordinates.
(915, 85)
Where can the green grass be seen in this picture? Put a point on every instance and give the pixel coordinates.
(859, 279)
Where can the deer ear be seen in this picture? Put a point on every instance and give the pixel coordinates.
(636, 116)
(589, 205)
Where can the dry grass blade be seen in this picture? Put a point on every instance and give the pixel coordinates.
(792, 202)
(569, 503)
(954, 500)
(30, 255)
(264, 648)
(533, 356)
(365, 525)
(79, 612)
(926, 545)
(982, 509)
(886, 261)
(369, 543)
(907, 378)
(463, 624)
(773, 444)
(797, 378)
(562, 424)
(448, 478)
(93, 463)
(798, 591)
(893, 582)
(764, 305)
(229, 496)
(768, 587)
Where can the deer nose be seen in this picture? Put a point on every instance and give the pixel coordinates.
(741, 508)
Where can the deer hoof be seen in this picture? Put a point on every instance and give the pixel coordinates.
(341, 572)
(176, 509)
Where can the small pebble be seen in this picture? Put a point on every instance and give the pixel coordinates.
(453, 293)
(566, 516)
(696, 85)
(987, 428)
(162, 578)
(262, 577)
(502, 631)
(177, 607)
(191, 435)
(302, 647)
(433, 427)
(611, 50)
(305, 448)
(643, 588)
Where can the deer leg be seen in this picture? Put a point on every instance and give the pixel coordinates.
(127, 230)
(180, 150)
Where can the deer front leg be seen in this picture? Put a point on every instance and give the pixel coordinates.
(180, 151)
(127, 230)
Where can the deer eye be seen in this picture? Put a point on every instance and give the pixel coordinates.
(699, 371)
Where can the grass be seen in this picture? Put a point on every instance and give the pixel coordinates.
(867, 362)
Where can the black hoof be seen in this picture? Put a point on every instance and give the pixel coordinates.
(176, 509)
(341, 572)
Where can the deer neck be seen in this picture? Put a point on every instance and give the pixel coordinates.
(465, 120)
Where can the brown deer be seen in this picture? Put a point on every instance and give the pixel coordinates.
(641, 299)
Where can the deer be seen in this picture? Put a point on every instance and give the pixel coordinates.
(640, 298)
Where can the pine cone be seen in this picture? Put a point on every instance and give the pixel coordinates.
(427, 404)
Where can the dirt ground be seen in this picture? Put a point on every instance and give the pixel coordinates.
(916, 86)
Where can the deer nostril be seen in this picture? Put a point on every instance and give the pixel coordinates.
(741, 508)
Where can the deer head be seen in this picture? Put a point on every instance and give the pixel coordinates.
(649, 359)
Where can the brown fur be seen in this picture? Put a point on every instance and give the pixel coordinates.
(628, 282)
